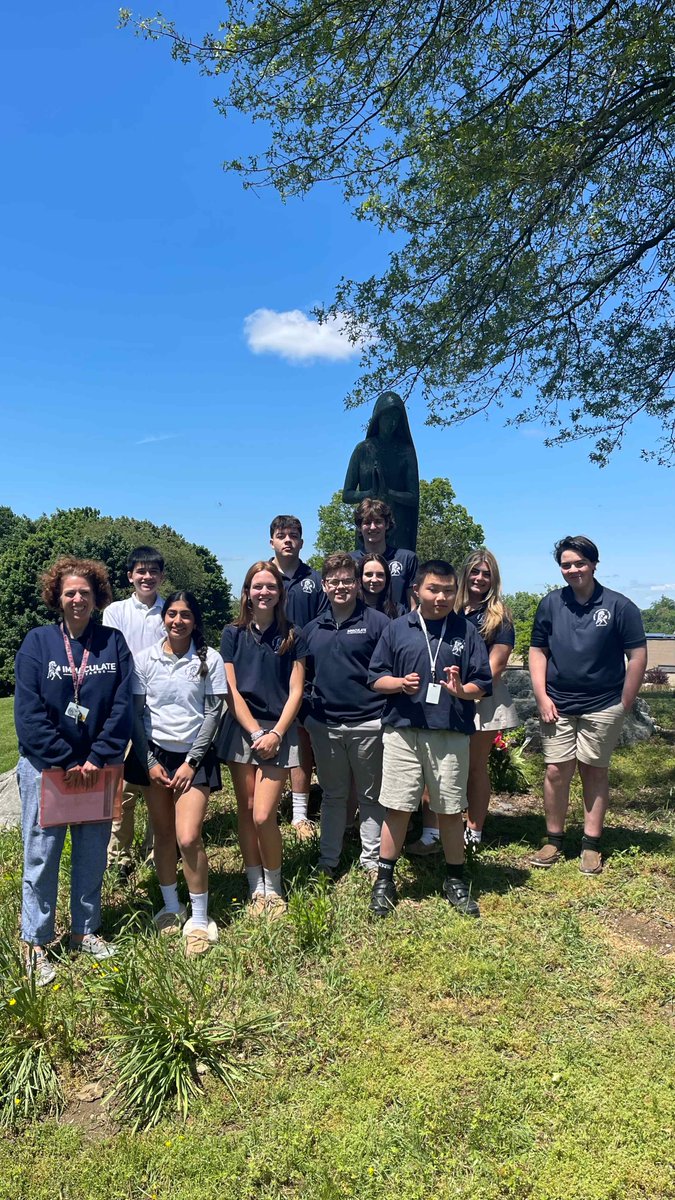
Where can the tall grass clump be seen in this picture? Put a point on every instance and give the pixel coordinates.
(32, 1038)
(311, 915)
(172, 1021)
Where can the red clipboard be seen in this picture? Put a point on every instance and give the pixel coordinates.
(63, 804)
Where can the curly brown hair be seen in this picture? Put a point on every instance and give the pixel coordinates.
(96, 573)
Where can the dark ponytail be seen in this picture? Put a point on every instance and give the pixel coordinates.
(197, 633)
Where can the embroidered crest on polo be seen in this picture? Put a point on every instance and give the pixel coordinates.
(602, 617)
(276, 644)
(308, 585)
(395, 567)
(457, 645)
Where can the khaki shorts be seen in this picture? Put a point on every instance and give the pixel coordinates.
(588, 737)
(418, 758)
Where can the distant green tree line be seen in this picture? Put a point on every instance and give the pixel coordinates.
(27, 547)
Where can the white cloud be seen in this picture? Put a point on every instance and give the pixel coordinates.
(298, 338)
(159, 437)
(662, 587)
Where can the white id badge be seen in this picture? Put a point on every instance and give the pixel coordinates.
(433, 693)
(77, 712)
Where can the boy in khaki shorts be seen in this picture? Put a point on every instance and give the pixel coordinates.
(431, 665)
(582, 636)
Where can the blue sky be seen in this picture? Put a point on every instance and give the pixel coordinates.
(132, 266)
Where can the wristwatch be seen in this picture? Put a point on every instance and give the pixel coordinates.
(192, 762)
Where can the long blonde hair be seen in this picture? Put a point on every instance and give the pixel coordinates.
(496, 612)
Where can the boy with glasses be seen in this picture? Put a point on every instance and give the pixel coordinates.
(344, 722)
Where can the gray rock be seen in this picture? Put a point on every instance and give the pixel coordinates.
(10, 804)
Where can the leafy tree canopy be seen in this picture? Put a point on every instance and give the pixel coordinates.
(83, 531)
(445, 530)
(660, 616)
(522, 157)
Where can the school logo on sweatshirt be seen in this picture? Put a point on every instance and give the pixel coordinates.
(457, 646)
(602, 617)
(308, 586)
(57, 671)
(395, 567)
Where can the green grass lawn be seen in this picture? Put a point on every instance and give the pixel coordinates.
(528, 1054)
(8, 745)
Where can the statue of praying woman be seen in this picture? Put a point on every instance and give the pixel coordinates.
(384, 467)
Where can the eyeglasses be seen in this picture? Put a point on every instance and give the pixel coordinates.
(333, 584)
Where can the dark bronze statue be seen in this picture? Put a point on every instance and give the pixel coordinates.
(384, 467)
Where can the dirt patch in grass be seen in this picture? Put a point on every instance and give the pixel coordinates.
(647, 932)
(87, 1112)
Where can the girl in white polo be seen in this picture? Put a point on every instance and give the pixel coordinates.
(180, 687)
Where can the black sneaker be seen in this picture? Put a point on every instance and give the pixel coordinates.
(457, 894)
(383, 898)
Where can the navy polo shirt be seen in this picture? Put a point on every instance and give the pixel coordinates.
(586, 644)
(263, 674)
(339, 657)
(504, 635)
(305, 597)
(403, 566)
(402, 650)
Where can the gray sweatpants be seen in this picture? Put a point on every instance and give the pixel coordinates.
(343, 753)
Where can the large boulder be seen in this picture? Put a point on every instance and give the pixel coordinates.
(638, 726)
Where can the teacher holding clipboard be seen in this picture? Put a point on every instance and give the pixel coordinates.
(73, 712)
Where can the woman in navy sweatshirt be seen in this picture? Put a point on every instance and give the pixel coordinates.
(73, 711)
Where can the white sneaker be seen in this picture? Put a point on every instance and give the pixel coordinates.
(39, 966)
(94, 946)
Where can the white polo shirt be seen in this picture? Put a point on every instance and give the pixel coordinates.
(141, 626)
(174, 693)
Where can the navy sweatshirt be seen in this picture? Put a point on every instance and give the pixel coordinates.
(44, 689)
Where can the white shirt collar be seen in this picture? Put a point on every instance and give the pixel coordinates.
(156, 607)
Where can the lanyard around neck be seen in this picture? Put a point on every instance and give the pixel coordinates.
(432, 657)
(78, 676)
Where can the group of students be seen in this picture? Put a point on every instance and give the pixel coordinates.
(383, 674)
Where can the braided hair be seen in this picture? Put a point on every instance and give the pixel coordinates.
(198, 632)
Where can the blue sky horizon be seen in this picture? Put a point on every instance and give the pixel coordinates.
(158, 355)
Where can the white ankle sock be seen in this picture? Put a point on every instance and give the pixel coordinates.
(256, 880)
(429, 836)
(300, 802)
(474, 835)
(273, 883)
(170, 897)
(200, 905)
